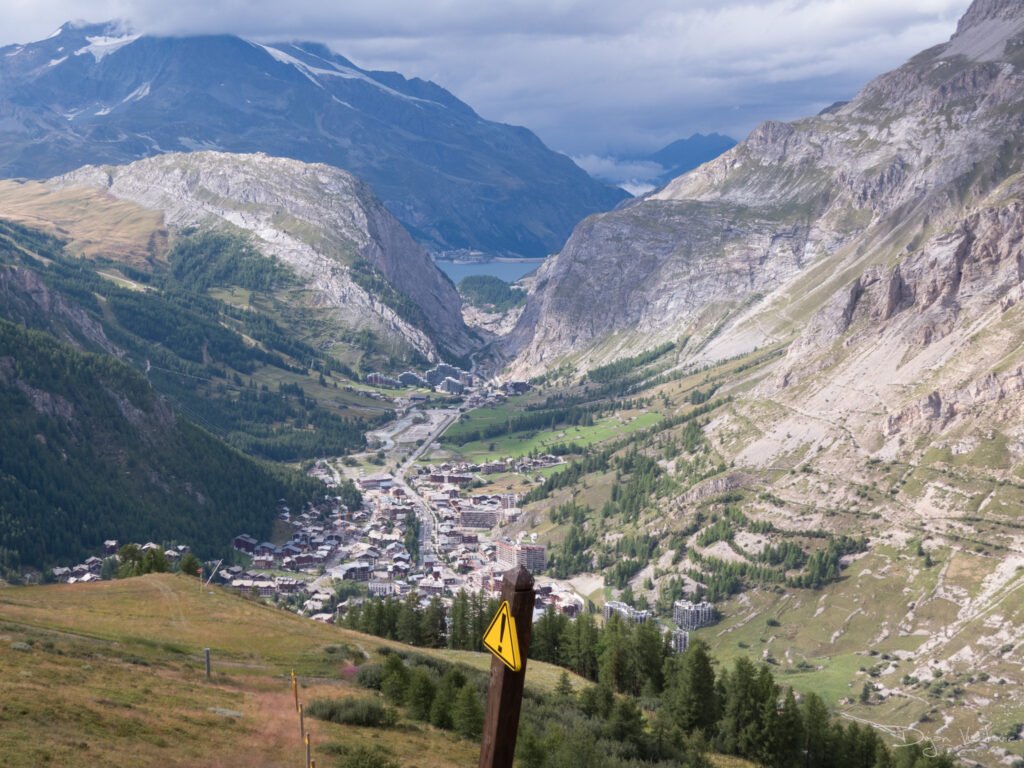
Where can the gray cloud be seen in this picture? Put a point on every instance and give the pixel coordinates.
(589, 76)
(635, 176)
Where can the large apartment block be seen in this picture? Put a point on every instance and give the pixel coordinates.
(690, 616)
(532, 556)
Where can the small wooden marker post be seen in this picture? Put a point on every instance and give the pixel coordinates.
(302, 722)
(206, 653)
(295, 690)
(505, 691)
(307, 751)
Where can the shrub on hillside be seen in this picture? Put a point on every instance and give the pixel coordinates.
(366, 712)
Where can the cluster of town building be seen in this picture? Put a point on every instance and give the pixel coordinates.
(368, 546)
(92, 568)
(462, 545)
(449, 380)
(463, 548)
(462, 474)
(442, 378)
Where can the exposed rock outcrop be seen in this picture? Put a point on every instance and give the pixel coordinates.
(316, 219)
(28, 301)
(745, 245)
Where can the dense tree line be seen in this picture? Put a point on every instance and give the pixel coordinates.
(823, 566)
(644, 480)
(412, 535)
(201, 259)
(646, 706)
(620, 368)
(530, 421)
(90, 452)
(601, 461)
(433, 626)
(188, 335)
(574, 555)
(489, 292)
(572, 474)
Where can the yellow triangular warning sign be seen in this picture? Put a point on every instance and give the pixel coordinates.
(501, 638)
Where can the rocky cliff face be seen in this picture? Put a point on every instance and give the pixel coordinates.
(739, 251)
(316, 219)
(30, 303)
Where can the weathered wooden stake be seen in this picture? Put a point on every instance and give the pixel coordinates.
(295, 690)
(302, 722)
(206, 652)
(307, 751)
(505, 691)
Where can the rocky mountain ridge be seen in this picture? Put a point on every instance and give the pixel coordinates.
(720, 253)
(98, 93)
(316, 219)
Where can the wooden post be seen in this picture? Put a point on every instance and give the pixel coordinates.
(302, 722)
(307, 751)
(505, 691)
(206, 652)
(295, 690)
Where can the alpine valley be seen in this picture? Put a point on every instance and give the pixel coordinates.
(767, 419)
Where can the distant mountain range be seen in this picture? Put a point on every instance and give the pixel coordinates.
(92, 94)
(684, 155)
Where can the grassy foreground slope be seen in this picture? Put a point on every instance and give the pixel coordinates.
(111, 674)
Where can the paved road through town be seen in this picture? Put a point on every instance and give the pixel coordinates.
(423, 510)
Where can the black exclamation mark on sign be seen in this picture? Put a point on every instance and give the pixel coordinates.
(501, 635)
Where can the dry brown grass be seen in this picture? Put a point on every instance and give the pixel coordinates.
(94, 223)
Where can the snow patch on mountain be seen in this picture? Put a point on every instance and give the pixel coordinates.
(101, 46)
(139, 93)
(336, 70)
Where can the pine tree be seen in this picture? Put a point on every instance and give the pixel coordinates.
(467, 713)
(419, 695)
(190, 565)
(395, 679)
(817, 746)
(695, 752)
(564, 686)
(617, 666)
(408, 624)
(433, 625)
(650, 656)
(691, 701)
(741, 710)
(444, 699)
(626, 724)
(459, 637)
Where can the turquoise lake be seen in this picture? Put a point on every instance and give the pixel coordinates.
(509, 271)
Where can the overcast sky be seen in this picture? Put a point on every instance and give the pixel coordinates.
(594, 78)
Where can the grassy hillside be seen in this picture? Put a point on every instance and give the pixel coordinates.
(112, 674)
